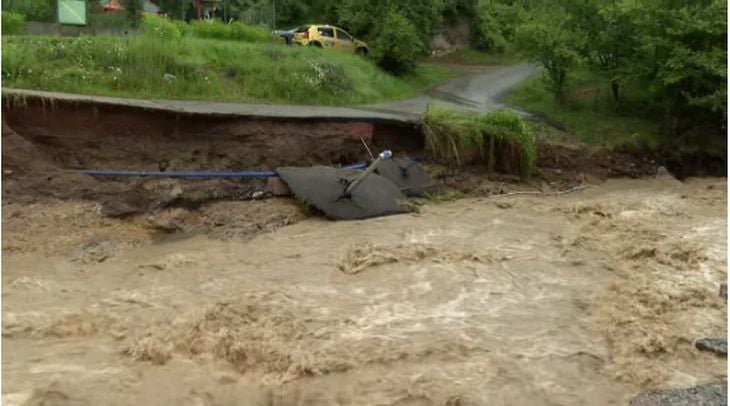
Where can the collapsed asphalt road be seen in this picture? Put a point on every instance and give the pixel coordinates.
(477, 89)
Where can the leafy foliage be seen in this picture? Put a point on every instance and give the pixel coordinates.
(176, 9)
(108, 20)
(133, 11)
(682, 53)
(547, 40)
(234, 31)
(368, 18)
(35, 10)
(495, 24)
(13, 23)
(669, 56)
(158, 27)
(499, 138)
(398, 45)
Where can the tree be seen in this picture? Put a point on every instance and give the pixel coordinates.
(547, 41)
(682, 53)
(495, 24)
(398, 45)
(133, 11)
(176, 9)
(365, 18)
(605, 37)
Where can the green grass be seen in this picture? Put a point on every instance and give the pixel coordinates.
(500, 139)
(205, 69)
(589, 112)
(470, 56)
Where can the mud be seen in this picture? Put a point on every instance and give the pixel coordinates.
(591, 297)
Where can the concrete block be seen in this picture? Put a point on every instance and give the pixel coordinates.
(277, 187)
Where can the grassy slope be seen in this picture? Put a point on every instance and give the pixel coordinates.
(588, 112)
(205, 70)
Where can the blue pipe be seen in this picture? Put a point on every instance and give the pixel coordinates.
(190, 174)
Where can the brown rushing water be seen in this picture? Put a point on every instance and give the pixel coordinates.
(585, 298)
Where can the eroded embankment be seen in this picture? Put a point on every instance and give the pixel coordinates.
(46, 140)
(44, 143)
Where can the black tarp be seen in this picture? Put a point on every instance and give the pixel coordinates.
(324, 188)
(407, 174)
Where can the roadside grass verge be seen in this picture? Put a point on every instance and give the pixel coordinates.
(589, 112)
(499, 139)
(203, 69)
(471, 56)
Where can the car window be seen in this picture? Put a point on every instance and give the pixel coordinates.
(303, 28)
(326, 32)
(343, 35)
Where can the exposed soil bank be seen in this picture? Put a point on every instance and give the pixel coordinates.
(41, 143)
(44, 141)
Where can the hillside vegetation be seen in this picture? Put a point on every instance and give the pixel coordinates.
(164, 63)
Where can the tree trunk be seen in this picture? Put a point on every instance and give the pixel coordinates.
(616, 92)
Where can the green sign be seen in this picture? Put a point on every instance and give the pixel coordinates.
(72, 12)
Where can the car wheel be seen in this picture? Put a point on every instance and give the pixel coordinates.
(361, 51)
(315, 44)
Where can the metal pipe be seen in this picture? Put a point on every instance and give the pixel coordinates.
(381, 156)
(189, 174)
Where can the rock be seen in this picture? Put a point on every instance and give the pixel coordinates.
(170, 220)
(277, 187)
(723, 291)
(662, 172)
(257, 195)
(716, 345)
(714, 394)
(169, 78)
(176, 192)
(119, 207)
(93, 252)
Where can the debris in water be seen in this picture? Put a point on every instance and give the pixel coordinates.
(714, 394)
(716, 345)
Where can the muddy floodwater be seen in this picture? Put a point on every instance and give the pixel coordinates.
(586, 298)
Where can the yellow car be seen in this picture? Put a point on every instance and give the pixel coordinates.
(328, 37)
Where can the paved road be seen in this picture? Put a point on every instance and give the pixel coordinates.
(477, 89)
(265, 111)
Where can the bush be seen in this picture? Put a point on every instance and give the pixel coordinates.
(107, 20)
(500, 139)
(36, 10)
(133, 11)
(158, 27)
(495, 25)
(487, 32)
(13, 23)
(366, 18)
(182, 26)
(234, 31)
(398, 45)
(323, 75)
